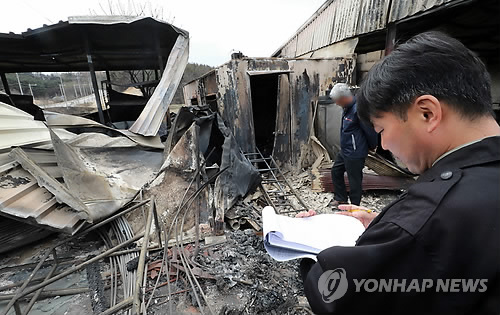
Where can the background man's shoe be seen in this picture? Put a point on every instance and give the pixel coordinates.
(335, 203)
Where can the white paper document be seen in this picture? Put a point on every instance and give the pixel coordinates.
(287, 238)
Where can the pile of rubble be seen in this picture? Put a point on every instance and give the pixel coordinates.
(120, 222)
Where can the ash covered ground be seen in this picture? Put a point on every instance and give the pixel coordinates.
(237, 275)
(246, 279)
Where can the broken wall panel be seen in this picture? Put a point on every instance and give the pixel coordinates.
(234, 95)
(311, 78)
(197, 133)
(283, 139)
(233, 101)
(202, 91)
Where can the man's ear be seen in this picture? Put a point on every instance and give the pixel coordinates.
(429, 111)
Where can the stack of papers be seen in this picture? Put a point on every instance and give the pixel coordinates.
(287, 238)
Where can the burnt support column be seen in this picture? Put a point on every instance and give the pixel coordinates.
(160, 58)
(390, 39)
(96, 88)
(5, 83)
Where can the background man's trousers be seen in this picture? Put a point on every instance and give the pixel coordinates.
(354, 169)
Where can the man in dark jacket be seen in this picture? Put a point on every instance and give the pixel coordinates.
(435, 250)
(356, 139)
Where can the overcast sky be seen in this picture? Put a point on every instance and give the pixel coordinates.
(216, 27)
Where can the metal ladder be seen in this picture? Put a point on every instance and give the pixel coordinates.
(282, 196)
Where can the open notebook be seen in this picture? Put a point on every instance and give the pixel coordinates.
(287, 238)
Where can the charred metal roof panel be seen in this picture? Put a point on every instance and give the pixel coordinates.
(115, 42)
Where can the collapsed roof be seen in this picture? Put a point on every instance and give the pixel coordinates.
(115, 42)
(104, 43)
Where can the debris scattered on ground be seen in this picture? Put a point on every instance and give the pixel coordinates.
(160, 212)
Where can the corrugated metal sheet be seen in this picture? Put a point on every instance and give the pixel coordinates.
(346, 19)
(148, 123)
(323, 25)
(22, 198)
(369, 18)
(323, 182)
(304, 41)
(338, 20)
(384, 167)
(403, 9)
(20, 195)
(29, 191)
(290, 49)
(19, 128)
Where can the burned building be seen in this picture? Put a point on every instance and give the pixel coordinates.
(270, 103)
(278, 105)
(176, 223)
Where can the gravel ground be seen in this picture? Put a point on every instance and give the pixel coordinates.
(318, 201)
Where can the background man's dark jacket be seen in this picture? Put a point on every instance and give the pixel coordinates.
(447, 226)
(355, 137)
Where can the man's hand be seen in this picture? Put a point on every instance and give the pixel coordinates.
(363, 214)
(305, 214)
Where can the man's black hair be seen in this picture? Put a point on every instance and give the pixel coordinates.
(429, 63)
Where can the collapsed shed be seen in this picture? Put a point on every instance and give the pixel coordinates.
(104, 43)
(61, 172)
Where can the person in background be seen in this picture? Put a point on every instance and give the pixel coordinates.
(356, 139)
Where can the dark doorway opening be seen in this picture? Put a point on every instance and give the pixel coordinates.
(264, 91)
(211, 100)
